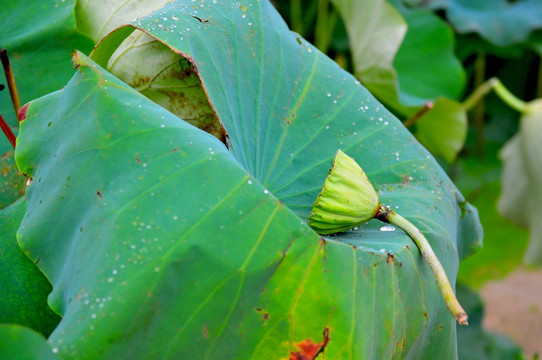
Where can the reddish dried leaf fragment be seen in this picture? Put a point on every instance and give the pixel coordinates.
(21, 114)
(309, 350)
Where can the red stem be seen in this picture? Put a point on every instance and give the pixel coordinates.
(7, 130)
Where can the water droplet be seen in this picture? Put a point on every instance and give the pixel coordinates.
(387, 228)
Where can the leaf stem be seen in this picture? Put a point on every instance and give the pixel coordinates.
(414, 118)
(11, 81)
(7, 130)
(387, 215)
(479, 109)
(503, 93)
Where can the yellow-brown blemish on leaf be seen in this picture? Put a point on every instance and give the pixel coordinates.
(308, 349)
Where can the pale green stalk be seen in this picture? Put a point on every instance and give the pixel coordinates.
(503, 93)
(390, 216)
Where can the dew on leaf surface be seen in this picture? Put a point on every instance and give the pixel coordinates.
(387, 228)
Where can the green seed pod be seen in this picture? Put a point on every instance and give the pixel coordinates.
(347, 199)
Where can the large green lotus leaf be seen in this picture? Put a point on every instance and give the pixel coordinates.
(164, 246)
(167, 245)
(40, 37)
(287, 155)
(23, 299)
(21, 343)
(406, 71)
(521, 176)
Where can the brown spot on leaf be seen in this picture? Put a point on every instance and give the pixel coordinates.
(205, 331)
(265, 314)
(309, 350)
(203, 21)
(138, 160)
(100, 195)
(390, 258)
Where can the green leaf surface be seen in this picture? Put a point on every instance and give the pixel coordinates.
(425, 63)
(177, 247)
(501, 22)
(521, 176)
(21, 343)
(443, 129)
(23, 299)
(40, 37)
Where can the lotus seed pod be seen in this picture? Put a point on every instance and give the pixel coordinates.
(347, 199)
